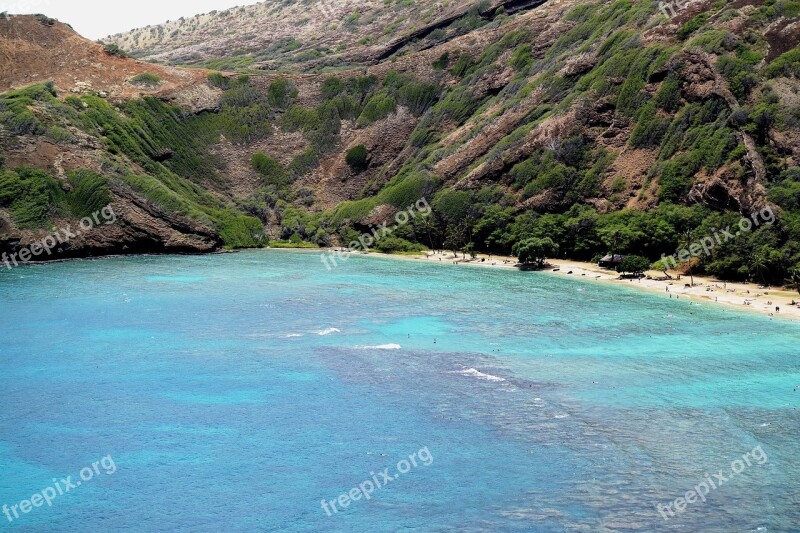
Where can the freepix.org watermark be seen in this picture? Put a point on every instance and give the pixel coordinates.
(377, 482)
(711, 482)
(419, 209)
(707, 244)
(59, 488)
(58, 237)
(670, 9)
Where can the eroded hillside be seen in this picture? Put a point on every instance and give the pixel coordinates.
(601, 125)
(308, 35)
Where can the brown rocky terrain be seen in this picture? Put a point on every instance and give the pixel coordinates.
(34, 52)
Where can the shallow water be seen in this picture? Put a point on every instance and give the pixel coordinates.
(237, 392)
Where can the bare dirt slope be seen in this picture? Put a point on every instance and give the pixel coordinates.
(35, 52)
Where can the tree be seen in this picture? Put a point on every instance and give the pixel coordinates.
(536, 251)
(757, 266)
(357, 158)
(795, 279)
(635, 264)
(687, 241)
(455, 238)
(428, 225)
(470, 249)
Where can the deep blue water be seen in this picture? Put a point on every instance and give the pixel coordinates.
(542, 403)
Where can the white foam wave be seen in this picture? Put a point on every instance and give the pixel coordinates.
(327, 331)
(381, 347)
(472, 372)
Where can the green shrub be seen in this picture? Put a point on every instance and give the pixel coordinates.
(786, 65)
(15, 113)
(380, 106)
(405, 190)
(242, 95)
(463, 66)
(348, 107)
(634, 264)
(332, 87)
(303, 162)
(59, 134)
(218, 81)
(677, 177)
(281, 92)
(458, 105)
(114, 50)
(90, 193)
(418, 97)
(452, 206)
(230, 63)
(442, 62)
(298, 118)
(240, 231)
(740, 74)
(357, 158)
(392, 245)
(245, 114)
(692, 25)
(47, 21)
(32, 196)
(146, 79)
(522, 57)
(270, 168)
(668, 97)
(650, 128)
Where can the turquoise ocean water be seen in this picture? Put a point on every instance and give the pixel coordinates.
(236, 392)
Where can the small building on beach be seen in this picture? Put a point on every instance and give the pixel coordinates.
(611, 261)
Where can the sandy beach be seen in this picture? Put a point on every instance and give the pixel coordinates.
(743, 296)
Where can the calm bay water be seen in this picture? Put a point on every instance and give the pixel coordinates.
(236, 392)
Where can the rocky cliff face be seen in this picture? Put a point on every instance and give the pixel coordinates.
(600, 124)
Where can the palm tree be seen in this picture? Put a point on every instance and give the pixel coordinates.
(759, 265)
(687, 241)
(795, 279)
(427, 223)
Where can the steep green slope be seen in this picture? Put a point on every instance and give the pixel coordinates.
(603, 126)
(136, 137)
(703, 105)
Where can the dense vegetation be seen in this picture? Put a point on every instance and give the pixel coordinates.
(554, 197)
(690, 137)
(146, 132)
(34, 197)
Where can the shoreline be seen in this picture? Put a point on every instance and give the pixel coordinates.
(731, 295)
(746, 297)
